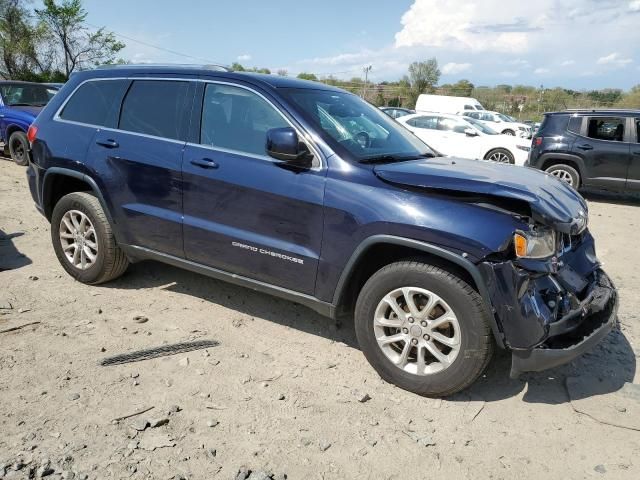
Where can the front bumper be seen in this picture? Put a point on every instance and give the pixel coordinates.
(577, 332)
(550, 312)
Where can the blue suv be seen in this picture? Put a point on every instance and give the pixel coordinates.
(20, 103)
(309, 193)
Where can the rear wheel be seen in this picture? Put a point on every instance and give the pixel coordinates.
(500, 155)
(83, 240)
(509, 132)
(423, 328)
(566, 173)
(19, 148)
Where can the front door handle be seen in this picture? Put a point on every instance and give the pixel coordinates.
(586, 146)
(109, 143)
(204, 163)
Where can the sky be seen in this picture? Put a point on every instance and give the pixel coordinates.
(579, 44)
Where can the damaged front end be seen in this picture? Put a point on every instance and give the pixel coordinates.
(551, 310)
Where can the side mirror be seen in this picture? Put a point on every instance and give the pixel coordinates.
(283, 144)
(470, 132)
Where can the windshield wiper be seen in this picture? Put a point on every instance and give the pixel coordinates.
(21, 105)
(396, 158)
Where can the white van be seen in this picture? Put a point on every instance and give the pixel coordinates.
(446, 104)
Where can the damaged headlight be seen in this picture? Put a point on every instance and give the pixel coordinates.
(538, 242)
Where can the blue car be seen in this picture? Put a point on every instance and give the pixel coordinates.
(309, 193)
(20, 104)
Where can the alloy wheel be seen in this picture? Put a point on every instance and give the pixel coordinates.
(564, 176)
(417, 330)
(78, 239)
(500, 157)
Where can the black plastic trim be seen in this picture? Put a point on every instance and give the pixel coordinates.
(141, 253)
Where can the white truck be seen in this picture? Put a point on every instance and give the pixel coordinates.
(446, 104)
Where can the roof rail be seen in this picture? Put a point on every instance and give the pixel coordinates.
(601, 110)
(213, 67)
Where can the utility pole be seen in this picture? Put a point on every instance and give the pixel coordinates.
(366, 69)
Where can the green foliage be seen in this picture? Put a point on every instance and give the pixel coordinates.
(236, 67)
(307, 76)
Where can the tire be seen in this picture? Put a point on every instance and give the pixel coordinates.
(565, 173)
(509, 132)
(19, 148)
(109, 261)
(474, 341)
(500, 155)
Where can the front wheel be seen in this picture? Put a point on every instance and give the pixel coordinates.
(500, 155)
(423, 328)
(83, 240)
(19, 148)
(509, 132)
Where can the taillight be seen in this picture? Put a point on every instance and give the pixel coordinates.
(537, 141)
(32, 133)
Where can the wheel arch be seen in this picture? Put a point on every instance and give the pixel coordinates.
(493, 149)
(62, 181)
(379, 250)
(11, 129)
(549, 159)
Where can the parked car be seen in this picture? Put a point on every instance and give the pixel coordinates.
(500, 123)
(446, 103)
(20, 103)
(396, 112)
(598, 149)
(458, 136)
(309, 193)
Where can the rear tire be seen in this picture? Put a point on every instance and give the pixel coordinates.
(457, 306)
(19, 148)
(565, 173)
(83, 240)
(509, 132)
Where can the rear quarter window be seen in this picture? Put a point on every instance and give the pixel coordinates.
(95, 102)
(553, 124)
(575, 125)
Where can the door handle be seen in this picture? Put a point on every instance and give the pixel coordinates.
(109, 143)
(204, 163)
(586, 146)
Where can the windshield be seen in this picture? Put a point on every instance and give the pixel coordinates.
(30, 95)
(481, 126)
(505, 118)
(350, 123)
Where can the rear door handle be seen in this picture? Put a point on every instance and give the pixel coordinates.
(204, 163)
(586, 146)
(109, 143)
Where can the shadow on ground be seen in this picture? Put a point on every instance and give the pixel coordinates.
(10, 257)
(613, 360)
(614, 198)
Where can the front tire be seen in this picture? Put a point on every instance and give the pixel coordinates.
(83, 240)
(565, 173)
(509, 132)
(500, 155)
(19, 148)
(423, 328)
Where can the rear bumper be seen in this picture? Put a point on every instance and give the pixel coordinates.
(576, 333)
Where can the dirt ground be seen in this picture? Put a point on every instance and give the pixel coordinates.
(282, 393)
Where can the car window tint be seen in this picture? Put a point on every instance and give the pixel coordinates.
(235, 118)
(575, 124)
(424, 122)
(96, 103)
(637, 130)
(606, 128)
(156, 107)
(452, 125)
(469, 107)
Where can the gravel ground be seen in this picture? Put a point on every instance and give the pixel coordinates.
(285, 392)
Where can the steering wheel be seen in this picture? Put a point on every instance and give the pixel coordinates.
(363, 139)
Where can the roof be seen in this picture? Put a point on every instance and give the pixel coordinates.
(599, 111)
(273, 81)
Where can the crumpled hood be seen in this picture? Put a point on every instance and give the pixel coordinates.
(552, 202)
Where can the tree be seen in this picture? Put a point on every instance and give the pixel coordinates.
(236, 67)
(79, 46)
(282, 72)
(462, 88)
(307, 76)
(423, 77)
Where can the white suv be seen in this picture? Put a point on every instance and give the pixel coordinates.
(458, 136)
(500, 122)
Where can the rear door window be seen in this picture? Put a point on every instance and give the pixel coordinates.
(156, 107)
(96, 102)
(452, 125)
(606, 128)
(430, 123)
